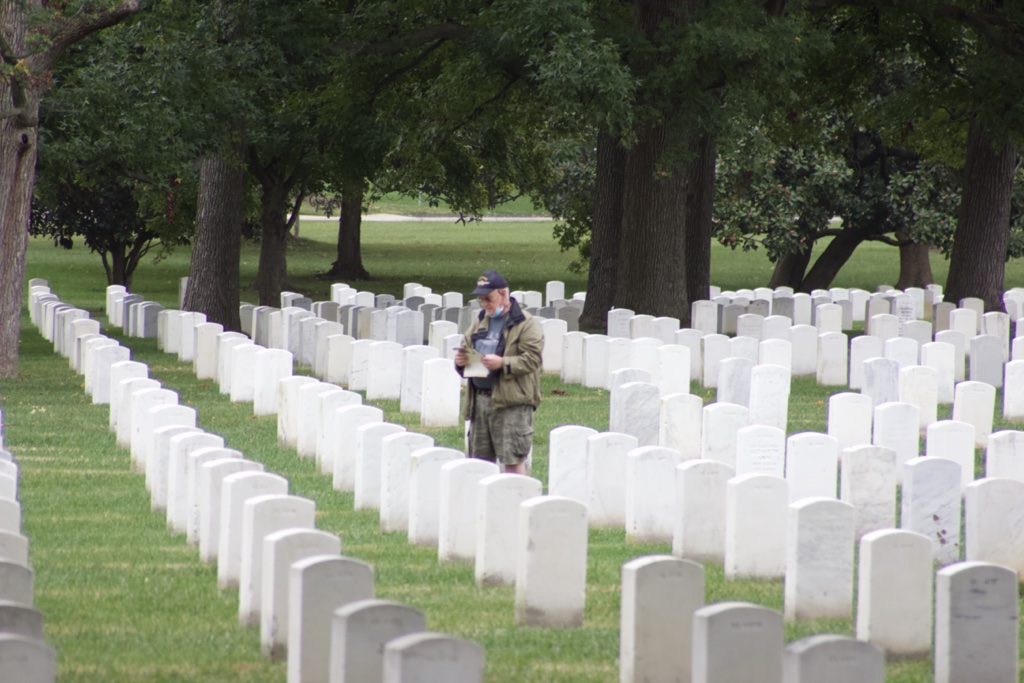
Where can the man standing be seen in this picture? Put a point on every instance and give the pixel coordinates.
(502, 395)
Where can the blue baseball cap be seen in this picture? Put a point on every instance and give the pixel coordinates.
(488, 282)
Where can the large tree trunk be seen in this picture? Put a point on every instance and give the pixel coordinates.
(915, 266)
(18, 138)
(652, 268)
(977, 261)
(700, 202)
(273, 268)
(213, 276)
(789, 270)
(349, 264)
(17, 178)
(605, 233)
(21, 88)
(832, 260)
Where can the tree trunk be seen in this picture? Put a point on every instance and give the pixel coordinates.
(977, 261)
(213, 276)
(18, 149)
(17, 178)
(273, 268)
(23, 84)
(700, 201)
(915, 266)
(832, 260)
(652, 269)
(789, 270)
(605, 234)
(349, 265)
(114, 265)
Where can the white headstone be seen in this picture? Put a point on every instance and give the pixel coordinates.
(395, 473)
(867, 481)
(812, 465)
(833, 358)
(659, 597)
(726, 628)
(721, 423)
(819, 559)
(837, 659)
(441, 394)
(425, 492)
(567, 461)
(497, 531)
(457, 529)
(359, 633)
(699, 518)
(318, 586)
(974, 402)
(894, 592)
(551, 575)
(262, 516)
(680, 424)
(755, 526)
(930, 504)
(994, 522)
(976, 623)
(236, 489)
(650, 493)
(281, 549)
(850, 419)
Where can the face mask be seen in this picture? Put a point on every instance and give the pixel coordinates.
(498, 311)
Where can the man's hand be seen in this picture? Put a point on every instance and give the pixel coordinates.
(493, 362)
(461, 358)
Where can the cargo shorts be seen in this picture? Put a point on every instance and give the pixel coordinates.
(503, 435)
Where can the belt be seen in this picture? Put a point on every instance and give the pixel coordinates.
(485, 392)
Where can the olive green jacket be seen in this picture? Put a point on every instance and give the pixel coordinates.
(518, 381)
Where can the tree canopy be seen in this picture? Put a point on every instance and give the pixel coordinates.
(647, 128)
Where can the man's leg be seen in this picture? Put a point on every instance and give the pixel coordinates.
(481, 444)
(513, 437)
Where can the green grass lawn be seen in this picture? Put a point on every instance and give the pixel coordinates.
(127, 600)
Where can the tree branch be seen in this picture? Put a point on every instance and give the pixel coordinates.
(397, 73)
(78, 28)
(293, 216)
(995, 28)
(885, 239)
(483, 105)
(255, 167)
(986, 23)
(428, 34)
(7, 51)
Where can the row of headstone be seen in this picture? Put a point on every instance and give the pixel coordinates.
(628, 484)
(383, 370)
(668, 633)
(131, 313)
(24, 653)
(421, 317)
(264, 543)
(855, 305)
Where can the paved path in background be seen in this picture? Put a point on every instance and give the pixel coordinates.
(440, 218)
